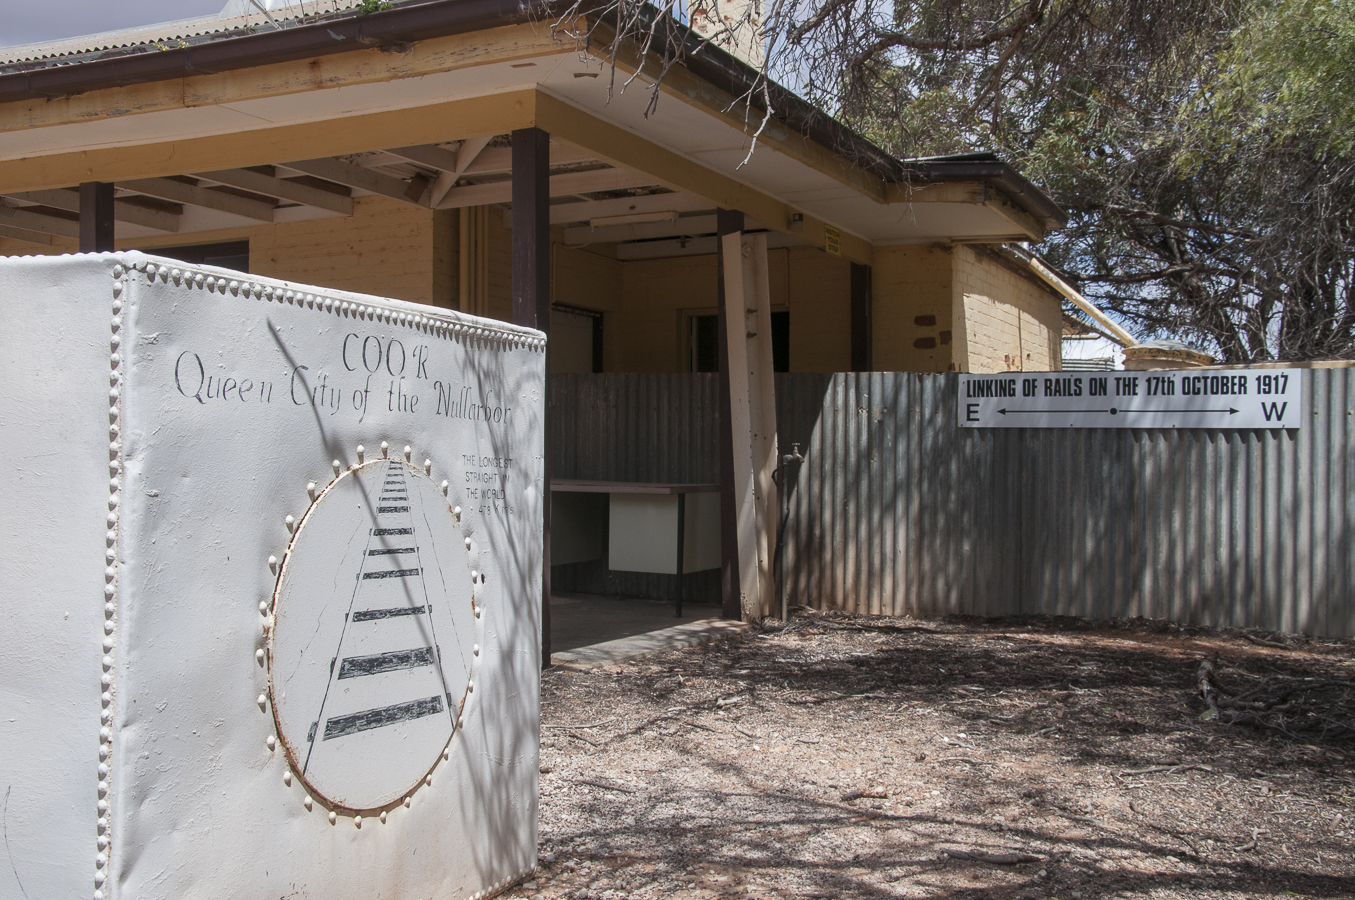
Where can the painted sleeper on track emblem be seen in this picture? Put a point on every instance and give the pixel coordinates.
(370, 650)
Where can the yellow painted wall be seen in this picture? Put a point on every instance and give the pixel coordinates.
(913, 327)
(819, 296)
(1007, 323)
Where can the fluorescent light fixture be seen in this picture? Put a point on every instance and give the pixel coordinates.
(650, 218)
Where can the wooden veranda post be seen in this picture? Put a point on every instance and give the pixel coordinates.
(862, 336)
(96, 217)
(727, 221)
(531, 298)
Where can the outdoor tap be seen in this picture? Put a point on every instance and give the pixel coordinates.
(792, 456)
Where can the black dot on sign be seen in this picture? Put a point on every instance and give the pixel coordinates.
(1114, 411)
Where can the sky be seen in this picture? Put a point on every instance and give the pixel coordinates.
(29, 21)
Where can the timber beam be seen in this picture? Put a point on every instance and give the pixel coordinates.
(568, 184)
(23, 234)
(43, 223)
(281, 189)
(123, 211)
(195, 195)
(349, 175)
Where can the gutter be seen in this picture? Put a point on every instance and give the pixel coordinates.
(1113, 330)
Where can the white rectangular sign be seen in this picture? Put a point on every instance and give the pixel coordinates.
(1190, 398)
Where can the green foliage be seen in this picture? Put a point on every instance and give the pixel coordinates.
(1288, 74)
(1205, 149)
(366, 7)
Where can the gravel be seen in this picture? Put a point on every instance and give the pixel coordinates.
(848, 756)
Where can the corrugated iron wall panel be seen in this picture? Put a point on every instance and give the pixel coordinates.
(897, 510)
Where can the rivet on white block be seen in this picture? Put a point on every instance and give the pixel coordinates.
(467, 543)
(108, 644)
(332, 817)
(99, 878)
(310, 490)
(307, 802)
(428, 467)
(383, 817)
(106, 679)
(408, 451)
(259, 656)
(290, 523)
(408, 801)
(287, 778)
(385, 449)
(263, 607)
(271, 742)
(108, 626)
(273, 564)
(262, 700)
(102, 806)
(460, 721)
(357, 821)
(102, 842)
(470, 685)
(338, 467)
(475, 649)
(456, 510)
(362, 451)
(445, 486)
(108, 662)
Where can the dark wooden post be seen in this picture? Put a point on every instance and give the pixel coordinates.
(531, 298)
(862, 337)
(96, 217)
(727, 221)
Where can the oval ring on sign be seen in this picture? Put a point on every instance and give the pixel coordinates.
(370, 652)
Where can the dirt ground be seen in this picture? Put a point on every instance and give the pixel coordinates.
(865, 757)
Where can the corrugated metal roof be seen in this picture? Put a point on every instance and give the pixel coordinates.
(230, 22)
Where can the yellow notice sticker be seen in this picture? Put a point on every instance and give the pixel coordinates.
(832, 240)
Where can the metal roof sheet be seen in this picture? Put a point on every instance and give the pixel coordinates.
(266, 15)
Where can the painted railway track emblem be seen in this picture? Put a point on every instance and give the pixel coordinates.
(371, 648)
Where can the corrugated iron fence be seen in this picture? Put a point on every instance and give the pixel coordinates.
(897, 510)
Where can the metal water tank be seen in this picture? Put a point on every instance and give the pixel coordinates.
(270, 584)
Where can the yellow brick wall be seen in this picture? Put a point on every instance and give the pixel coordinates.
(911, 291)
(386, 248)
(1005, 322)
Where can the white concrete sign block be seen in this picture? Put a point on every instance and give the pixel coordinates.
(1188, 398)
(270, 588)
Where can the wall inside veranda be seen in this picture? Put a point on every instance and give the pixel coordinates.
(1005, 321)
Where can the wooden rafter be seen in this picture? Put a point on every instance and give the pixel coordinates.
(560, 186)
(349, 175)
(281, 189)
(196, 195)
(131, 213)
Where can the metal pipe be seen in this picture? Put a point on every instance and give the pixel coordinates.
(1124, 338)
(779, 557)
